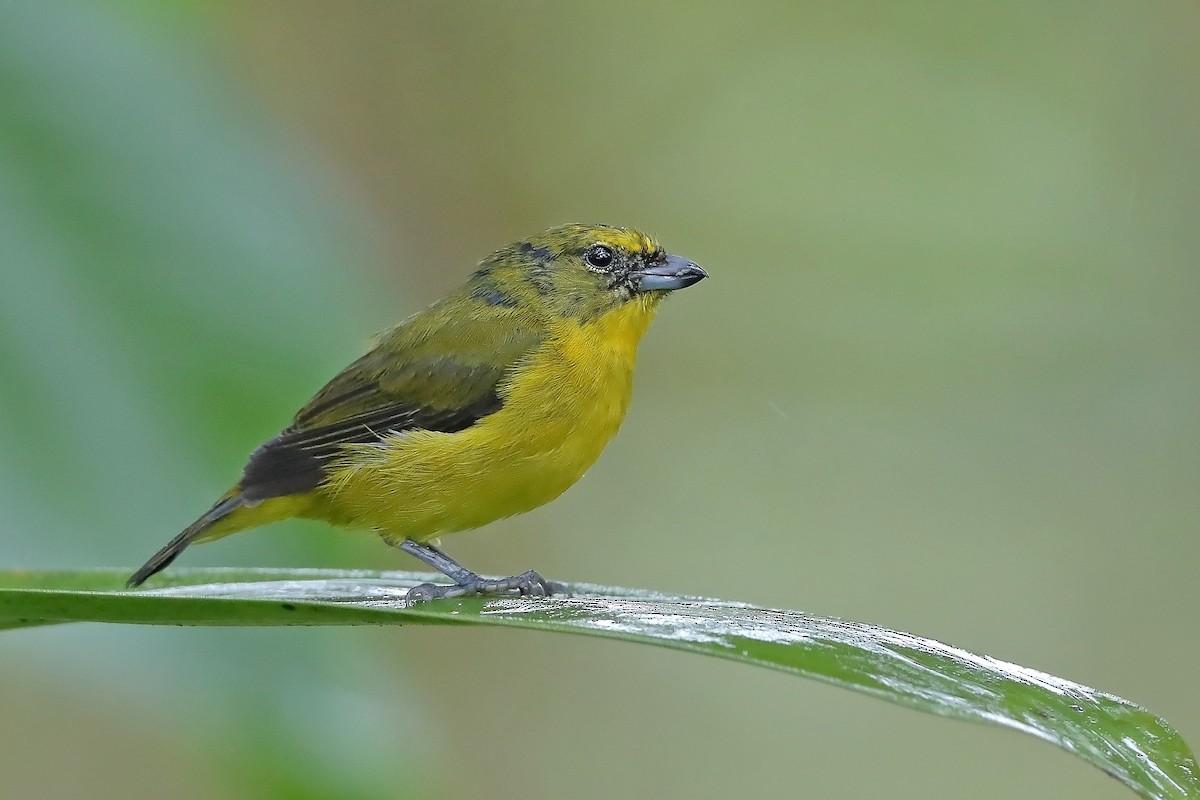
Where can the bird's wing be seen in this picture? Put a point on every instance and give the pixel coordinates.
(437, 372)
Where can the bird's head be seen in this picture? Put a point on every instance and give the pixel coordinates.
(584, 271)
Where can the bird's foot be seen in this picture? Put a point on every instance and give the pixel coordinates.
(527, 584)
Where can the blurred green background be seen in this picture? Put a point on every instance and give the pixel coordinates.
(944, 377)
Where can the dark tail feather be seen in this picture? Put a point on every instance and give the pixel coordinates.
(160, 560)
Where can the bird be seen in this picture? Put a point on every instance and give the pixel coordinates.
(488, 403)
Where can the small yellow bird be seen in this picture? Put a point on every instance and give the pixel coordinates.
(486, 404)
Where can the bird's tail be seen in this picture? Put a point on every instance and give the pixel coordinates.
(160, 560)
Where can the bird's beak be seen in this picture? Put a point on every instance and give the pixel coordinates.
(676, 273)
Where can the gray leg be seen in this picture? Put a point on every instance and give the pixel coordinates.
(467, 582)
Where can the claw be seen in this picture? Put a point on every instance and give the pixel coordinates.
(527, 584)
(421, 593)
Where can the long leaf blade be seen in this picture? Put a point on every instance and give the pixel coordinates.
(1126, 741)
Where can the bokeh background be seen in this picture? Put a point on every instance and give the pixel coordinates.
(944, 377)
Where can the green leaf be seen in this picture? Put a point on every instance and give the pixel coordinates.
(1129, 743)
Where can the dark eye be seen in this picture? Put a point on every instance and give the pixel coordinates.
(598, 256)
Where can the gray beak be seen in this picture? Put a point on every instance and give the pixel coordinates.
(676, 273)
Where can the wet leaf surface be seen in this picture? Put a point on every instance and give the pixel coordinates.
(1126, 741)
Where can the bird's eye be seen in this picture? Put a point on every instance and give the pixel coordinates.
(598, 256)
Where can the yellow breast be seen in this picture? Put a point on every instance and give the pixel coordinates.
(561, 407)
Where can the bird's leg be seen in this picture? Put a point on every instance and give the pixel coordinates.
(467, 582)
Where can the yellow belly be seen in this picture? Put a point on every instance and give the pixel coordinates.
(560, 409)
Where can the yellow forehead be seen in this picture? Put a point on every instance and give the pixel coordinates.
(628, 240)
(575, 238)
